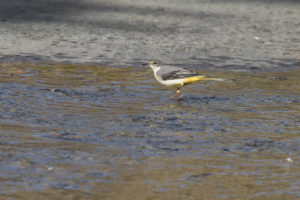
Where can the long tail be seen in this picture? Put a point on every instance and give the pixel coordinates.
(213, 79)
(200, 78)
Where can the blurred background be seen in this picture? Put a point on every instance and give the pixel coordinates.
(122, 32)
(81, 118)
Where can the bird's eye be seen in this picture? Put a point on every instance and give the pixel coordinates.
(154, 62)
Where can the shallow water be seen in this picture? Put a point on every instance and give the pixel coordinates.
(95, 132)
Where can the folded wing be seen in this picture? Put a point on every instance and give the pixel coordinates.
(172, 73)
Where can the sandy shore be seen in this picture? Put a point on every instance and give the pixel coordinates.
(228, 34)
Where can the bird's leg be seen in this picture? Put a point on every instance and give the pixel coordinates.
(178, 93)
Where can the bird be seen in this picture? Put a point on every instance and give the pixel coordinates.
(174, 76)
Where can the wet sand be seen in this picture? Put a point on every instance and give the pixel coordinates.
(211, 33)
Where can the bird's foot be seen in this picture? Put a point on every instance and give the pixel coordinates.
(177, 96)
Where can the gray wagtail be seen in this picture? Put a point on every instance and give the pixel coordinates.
(174, 76)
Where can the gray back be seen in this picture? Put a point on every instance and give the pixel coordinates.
(165, 69)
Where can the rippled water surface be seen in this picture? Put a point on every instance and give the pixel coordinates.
(95, 132)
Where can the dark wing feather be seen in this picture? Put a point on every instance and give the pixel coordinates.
(177, 74)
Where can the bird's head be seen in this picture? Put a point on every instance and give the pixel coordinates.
(154, 64)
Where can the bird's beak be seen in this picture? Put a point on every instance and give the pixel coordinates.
(145, 64)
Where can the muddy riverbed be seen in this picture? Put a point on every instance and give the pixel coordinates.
(96, 132)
